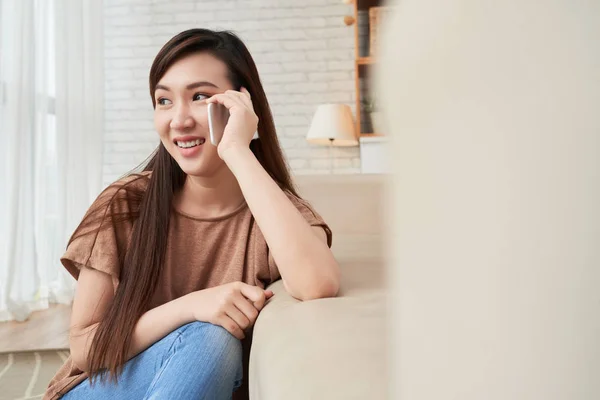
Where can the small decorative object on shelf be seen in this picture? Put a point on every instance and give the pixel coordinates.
(348, 20)
(376, 16)
(372, 110)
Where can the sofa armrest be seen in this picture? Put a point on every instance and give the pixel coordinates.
(330, 348)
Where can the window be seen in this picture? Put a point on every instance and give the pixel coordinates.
(27, 65)
(3, 36)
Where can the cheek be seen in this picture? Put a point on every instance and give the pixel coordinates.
(161, 123)
(200, 115)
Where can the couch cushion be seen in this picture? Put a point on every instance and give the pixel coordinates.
(350, 204)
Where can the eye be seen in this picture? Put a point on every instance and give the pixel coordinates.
(163, 102)
(200, 96)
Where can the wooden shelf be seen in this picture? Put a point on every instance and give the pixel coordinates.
(365, 61)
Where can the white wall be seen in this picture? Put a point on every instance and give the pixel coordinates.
(496, 234)
(304, 53)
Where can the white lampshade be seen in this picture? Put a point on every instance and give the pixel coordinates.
(332, 124)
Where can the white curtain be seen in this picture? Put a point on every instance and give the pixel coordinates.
(51, 113)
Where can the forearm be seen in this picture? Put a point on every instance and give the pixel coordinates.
(157, 323)
(152, 326)
(304, 260)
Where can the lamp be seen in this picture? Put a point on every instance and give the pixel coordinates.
(332, 125)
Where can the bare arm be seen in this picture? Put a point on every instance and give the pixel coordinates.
(93, 299)
(306, 264)
(234, 306)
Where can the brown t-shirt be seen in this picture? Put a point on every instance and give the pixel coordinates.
(201, 253)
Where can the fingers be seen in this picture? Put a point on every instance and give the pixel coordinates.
(255, 294)
(231, 326)
(228, 101)
(246, 307)
(237, 316)
(244, 95)
(231, 98)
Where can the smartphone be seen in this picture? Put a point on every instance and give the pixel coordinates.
(218, 115)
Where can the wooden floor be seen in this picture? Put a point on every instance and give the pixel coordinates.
(44, 330)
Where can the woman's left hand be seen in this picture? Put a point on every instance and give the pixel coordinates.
(242, 121)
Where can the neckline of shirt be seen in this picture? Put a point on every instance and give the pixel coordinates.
(241, 207)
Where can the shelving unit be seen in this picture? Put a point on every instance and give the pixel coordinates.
(363, 63)
(372, 144)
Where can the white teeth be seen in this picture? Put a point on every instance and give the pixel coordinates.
(191, 143)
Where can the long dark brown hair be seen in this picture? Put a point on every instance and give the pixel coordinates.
(150, 207)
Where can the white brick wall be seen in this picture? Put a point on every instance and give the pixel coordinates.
(303, 51)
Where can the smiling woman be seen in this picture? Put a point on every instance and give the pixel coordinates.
(173, 263)
(181, 109)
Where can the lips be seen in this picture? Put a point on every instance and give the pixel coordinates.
(188, 141)
(191, 151)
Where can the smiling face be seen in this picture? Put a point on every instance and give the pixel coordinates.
(180, 115)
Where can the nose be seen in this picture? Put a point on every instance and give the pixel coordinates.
(182, 119)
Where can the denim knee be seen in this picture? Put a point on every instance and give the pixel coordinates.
(214, 333)
(213, 344)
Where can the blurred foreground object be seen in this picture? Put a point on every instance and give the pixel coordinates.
(495, 136)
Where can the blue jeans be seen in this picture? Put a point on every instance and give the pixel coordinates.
(196, 361)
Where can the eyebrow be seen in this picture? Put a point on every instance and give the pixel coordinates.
(190, 86)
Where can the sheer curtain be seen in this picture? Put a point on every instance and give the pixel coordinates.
(51, 113)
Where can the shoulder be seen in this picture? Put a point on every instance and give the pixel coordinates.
(131, 182)
(301, 204)
(128, 187)
(310, 214)
(122, 197)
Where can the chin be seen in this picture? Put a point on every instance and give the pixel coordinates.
(201, 168)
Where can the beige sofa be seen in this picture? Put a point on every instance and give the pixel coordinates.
(330, 348)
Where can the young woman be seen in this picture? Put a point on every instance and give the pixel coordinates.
(172, 263)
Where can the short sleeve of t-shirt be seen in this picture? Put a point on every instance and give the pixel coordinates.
(103, 235)
(266, 268)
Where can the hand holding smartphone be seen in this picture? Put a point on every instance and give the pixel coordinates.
(218, 115)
